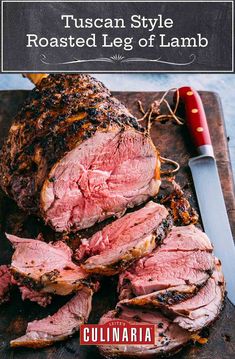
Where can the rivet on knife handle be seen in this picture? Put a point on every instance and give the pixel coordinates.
(196, 120)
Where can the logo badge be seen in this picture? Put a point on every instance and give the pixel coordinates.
(117, 332)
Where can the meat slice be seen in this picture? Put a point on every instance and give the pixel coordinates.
(162, 270)
(42, 299)
(59, 326)
(186, 238)
(169, 337)
(191, 308)
(45, 266)
(75, 155)
(202, 309)
(165, 270)
(5, 283)
(161, 298)
(126, 239)
(184, 258)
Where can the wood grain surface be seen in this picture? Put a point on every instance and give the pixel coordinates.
(173, 141)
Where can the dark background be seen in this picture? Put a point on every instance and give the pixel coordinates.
(212, 19)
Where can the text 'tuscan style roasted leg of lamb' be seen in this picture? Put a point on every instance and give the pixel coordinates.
(76, 156)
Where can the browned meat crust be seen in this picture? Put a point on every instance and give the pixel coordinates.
(59, 114)
(46, 267)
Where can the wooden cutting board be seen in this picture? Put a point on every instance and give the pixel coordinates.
(173, 142)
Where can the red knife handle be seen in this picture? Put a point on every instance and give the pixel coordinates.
(196, 120)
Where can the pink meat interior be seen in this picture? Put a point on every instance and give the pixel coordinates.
(168, 269)
(100, 178)
(126, 233)
(183, 258)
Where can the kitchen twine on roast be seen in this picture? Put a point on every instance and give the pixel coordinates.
(154, 114)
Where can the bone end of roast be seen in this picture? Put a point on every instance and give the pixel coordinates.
(35, 78)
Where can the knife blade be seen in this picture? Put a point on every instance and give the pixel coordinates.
(208, 187)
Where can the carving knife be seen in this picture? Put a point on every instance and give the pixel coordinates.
(208, 187)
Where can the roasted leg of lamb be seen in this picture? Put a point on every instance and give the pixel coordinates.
(76, 156)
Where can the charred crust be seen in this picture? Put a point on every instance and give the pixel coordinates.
(135, 253)
(209, 272)
(51, 276)
(88, 283)
(170, 297)
(27, 281)
(58, 115)
(163, 229)
(137, 318)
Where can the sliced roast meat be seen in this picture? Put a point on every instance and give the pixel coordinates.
(169, 269)
(5, 283)
(161, 298)
(186, 238)
(45, 266)
(191, 308)
(76, 156)
(184, 258)
(202, 309)
(126, 239)
(59, 326)
(43, 299)
(169, 337)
